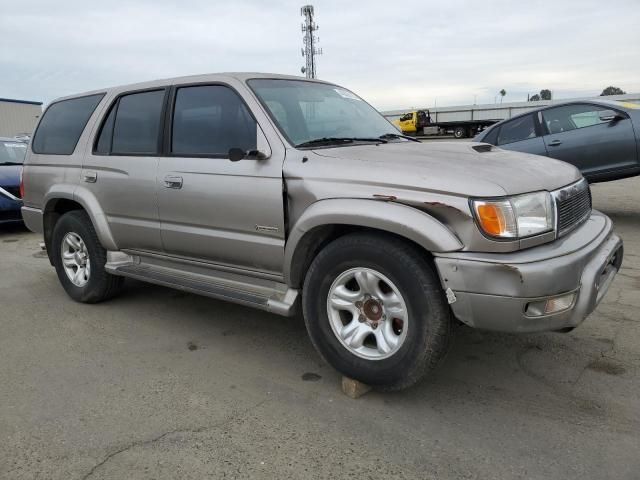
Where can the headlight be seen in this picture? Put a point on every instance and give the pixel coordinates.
(515, 217)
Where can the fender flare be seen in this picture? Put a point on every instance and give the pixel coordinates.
(90, 203)
(396, 218)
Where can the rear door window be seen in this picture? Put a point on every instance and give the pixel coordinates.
(522, 128)
(571, 117)
(211, 120)
(103, 146)
(62, 124)
(136, 126)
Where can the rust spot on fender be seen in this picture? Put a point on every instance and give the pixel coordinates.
(443, 205)
(386, 198)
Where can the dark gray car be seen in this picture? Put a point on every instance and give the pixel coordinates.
(600, 137)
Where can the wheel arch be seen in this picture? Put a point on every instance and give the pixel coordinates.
(60, 202)
(326, 220)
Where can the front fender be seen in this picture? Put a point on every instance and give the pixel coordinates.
(396, 218)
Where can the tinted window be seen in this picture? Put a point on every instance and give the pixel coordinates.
(137, 123)
(492, 136)
(62, 124)
(572, 117)
(210, 120)
(104, 141)
(516, 130)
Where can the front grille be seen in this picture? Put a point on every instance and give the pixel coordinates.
(573, 206)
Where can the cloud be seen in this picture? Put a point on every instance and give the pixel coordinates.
(394, 54)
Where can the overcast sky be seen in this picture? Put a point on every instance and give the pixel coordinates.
(395, 54)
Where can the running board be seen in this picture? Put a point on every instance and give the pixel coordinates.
(271, 296)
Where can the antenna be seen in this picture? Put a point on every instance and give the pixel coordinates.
(309, 50)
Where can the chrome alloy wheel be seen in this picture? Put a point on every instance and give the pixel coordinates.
(75, 259)
(367, 313)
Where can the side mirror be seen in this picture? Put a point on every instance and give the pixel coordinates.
(609, 116)
(262, 152)
(237, 154)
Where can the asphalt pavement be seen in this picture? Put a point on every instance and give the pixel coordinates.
(160, 384)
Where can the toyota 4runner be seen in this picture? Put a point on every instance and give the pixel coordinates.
(277, 192)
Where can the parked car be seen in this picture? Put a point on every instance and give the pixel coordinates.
(12, 153)
(278, 192)
(600, 137)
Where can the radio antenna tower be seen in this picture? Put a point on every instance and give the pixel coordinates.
(309, 51)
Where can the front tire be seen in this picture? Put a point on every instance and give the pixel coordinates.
(79, 259)
(375, 310)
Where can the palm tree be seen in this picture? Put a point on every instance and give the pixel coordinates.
(502, 92)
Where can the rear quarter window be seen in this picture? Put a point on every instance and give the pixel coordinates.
(492, 136)
(516, 130)
(62, 124)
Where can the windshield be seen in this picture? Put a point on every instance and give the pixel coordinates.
(12, 152)
(306, 111)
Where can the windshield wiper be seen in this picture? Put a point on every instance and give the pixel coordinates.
(397, 135)
(10, 163)
(338, 141)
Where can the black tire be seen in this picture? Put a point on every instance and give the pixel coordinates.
(100, 285)
(430, 329)
(460, 132)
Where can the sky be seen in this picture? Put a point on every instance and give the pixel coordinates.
(394, 54)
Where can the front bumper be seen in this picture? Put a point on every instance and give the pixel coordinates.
(492, 291)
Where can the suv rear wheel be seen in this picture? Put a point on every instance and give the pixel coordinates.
(79, 259)
(375, 310)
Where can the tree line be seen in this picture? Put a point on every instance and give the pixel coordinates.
(545, 94)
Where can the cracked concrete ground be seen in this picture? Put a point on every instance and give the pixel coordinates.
(159, 384)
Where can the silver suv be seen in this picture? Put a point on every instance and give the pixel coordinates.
(278, 192)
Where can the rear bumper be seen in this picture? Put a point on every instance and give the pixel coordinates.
(495, 291)
(32, 219)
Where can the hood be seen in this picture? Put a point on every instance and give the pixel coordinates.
(449, 167)
(10, 175)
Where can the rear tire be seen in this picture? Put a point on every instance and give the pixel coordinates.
(401, 274)
(460, 132)
(79, 259)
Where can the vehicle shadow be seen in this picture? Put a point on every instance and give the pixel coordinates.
(9, 228)
(533, 374)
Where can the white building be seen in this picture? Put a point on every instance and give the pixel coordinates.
(18, 117)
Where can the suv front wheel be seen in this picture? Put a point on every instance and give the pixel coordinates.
(79, 259)
(375, 310)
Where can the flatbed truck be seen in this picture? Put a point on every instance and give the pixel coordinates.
(419, 122)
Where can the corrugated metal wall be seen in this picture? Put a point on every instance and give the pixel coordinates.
(18, 117)
(495, 111)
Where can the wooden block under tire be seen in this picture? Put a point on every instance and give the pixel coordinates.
(353, 388)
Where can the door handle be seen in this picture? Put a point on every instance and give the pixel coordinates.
(172, 181)
(554, 143)
(90, 176)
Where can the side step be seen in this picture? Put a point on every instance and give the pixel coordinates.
(270, 296)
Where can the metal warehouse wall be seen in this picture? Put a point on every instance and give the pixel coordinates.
(498, 111)
(18, 116)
